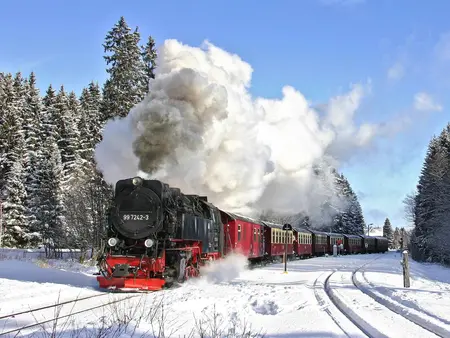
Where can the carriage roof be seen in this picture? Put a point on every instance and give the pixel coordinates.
(302, 230)
(317, 232)
(352, 236)
(238, 217)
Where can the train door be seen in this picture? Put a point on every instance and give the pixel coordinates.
(250, 240)
(261, 240)
(254, 242)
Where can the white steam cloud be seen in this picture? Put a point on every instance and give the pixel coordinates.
(225, 270)
(200, 130)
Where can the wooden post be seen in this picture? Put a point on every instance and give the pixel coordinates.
(405, 264)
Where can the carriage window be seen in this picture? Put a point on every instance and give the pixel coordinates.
(254, 235)
(239, 232)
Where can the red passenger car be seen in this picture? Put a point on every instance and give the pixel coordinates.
(302, 242)
(243, 234)
(275, 239)
(320, 242)
(352, 244)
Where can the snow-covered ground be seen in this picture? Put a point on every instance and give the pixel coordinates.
(231, 300)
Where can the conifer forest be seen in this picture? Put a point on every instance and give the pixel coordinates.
(53, 195)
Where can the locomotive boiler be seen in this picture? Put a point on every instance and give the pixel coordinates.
(157, 236)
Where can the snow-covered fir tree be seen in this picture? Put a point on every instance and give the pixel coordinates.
(13, 193)
(387, 231)
(396, 239)
(127, 82)
(50, 187)
(149, 56)
(68, 136)
(50, 215)
(89, 123)
(14, 217)
(431, 233)
(350, 219)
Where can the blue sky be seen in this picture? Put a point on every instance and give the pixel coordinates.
(318, 46)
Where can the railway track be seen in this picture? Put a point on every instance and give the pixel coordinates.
(424, 319)
(339, 288)
(344, 317)
(12, 324)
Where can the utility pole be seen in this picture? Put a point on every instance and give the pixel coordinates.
(368, 229)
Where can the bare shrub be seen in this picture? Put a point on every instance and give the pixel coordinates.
(147, 316)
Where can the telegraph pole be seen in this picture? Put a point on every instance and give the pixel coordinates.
(368, 229)
(286, 227)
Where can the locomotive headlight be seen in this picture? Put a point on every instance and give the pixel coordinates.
(112, 241)
(148, 243)
(137, 181)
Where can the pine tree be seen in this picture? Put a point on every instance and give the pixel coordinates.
(127, 83)
(431, 207)
(32, 127)
(13, 192)
(89, 123)
(67, 138)
(149, 56)
(14, 219)
(387, 231)
(396, 239)
(50, 218)
(47, 203)
(11, 112)
(350, 219)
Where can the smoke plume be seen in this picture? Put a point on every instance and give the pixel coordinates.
(200, 130)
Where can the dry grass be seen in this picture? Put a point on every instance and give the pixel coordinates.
(145, 316)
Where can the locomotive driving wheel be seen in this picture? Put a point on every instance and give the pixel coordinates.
(192, 270)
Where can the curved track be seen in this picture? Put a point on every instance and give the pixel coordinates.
(8, 323)
(341, 288)
(423, 319)
(344, 317)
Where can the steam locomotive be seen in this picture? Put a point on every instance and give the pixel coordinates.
(158, 236)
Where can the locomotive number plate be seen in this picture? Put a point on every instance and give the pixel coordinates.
(134, 217)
